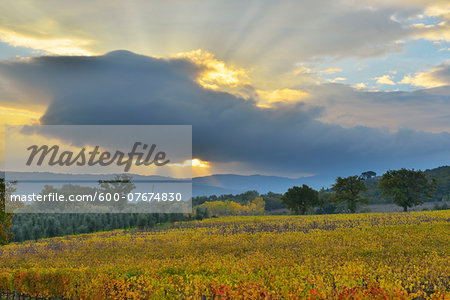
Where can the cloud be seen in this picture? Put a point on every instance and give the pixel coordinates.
(214, 73)
(52, 45)
(266, 39)
(14, 116)
(422, 110)
(337, 79)
(439, 32)
(331, 70)
(282, 95)
(439, 10)
(125, 88)
(437, 76)
(360, 86)
(243, 31)
(385, 79)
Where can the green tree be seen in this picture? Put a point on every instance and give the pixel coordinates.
(406, 187)
(47, 206)
(273, 201)
(299, 199)
(121, 185)
(5, 218)
(326, 203)
(368, 174)
(348, 190)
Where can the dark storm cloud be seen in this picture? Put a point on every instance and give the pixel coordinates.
(423, 110)
(125, 88)
(441, 73)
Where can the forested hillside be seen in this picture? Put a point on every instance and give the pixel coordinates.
(442, 176)
(442, 193)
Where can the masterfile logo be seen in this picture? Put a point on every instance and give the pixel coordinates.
(96, 157)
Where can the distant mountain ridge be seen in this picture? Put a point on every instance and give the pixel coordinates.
(220, 184)
(235, 184)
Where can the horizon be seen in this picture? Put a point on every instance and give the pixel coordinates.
(206, 187)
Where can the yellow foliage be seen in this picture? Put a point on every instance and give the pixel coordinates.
(358, 256)
(231, 208)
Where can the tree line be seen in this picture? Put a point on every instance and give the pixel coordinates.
(39, 225)
(403, 187)
(406, 188)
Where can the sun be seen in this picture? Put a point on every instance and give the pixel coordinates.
(197, 163)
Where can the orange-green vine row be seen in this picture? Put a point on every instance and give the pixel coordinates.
(376, 256)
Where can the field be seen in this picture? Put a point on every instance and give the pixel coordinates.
(380, 256)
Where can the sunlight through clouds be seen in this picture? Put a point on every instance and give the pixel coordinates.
(281, 95)
(199, 167)
(64, 46)
(14, 116)
(436, 77)
(360, 86)
(215, 73)
(324, 66)
(331, 70)
(385, 79)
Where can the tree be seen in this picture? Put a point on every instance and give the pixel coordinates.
(48, 206)
(299, 199)
(6, 189)
(368, 174)
(273, 201)
(406, 187)
(348, 190)
(326, 203)
(231, 208)
(121, 185)
(256, 207)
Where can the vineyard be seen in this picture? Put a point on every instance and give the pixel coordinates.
(379, 256)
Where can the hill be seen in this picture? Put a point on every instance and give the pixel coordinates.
(440, 174)
(221, 184)
(218, 184)
(235, 184)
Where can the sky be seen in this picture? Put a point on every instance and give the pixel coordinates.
(287, 88)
